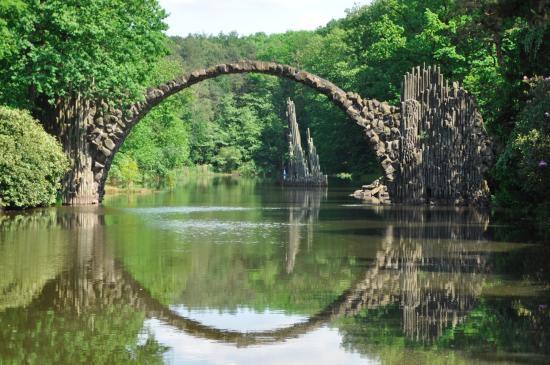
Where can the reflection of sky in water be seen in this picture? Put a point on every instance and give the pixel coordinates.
(175, 219)
(241, 319)
(222, 232)
(185, 209)
(319, 347)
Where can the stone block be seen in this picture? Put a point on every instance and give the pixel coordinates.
(106, 152)
(98, 166)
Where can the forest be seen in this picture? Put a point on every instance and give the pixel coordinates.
(497, 49)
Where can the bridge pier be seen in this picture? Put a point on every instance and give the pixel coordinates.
(444, 150)
(70, 123)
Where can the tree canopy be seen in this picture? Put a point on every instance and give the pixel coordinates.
(101, 48)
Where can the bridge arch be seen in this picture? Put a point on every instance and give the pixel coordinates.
(111, 126)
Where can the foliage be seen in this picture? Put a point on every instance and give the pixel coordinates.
(523, 166)
(31, 161)
(8, 37)
(240, 130)
(125, 171)
(228, 159)
(102, 48)
(159, 144)
(344, 176)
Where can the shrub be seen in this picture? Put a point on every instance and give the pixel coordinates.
(248, 169)
(125, 172)
(228, 159)
(522, 169)
(32, 162)
(344, 176)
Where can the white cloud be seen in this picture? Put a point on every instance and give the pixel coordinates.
(251, 16)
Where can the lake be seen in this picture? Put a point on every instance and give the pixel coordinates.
(235, 271)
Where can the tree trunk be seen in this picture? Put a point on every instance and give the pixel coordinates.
(70, 124)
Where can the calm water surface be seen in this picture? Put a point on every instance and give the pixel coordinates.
(225, 271)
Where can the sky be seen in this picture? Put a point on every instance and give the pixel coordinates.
(251, 16)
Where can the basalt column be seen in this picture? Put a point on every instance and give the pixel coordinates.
(303, 169)
(72, 119)
(444, 149)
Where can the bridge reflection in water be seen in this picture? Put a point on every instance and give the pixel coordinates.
(430, 263)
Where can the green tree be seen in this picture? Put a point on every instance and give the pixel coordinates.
(228, 159)
(102, 48)
(125, 171)
(9, 11)
(523, 166)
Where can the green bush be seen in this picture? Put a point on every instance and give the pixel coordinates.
(522, 169)
(228, 159)
(32, 162)
(125, 172)
(248, 169)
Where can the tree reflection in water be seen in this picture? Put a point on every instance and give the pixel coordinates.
(425, 278)
(427, 293)
(82, 314)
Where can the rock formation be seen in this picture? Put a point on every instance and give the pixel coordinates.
(442, 148)
(375, 193)
(302, 169)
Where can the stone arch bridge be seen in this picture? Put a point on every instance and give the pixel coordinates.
(433, 147)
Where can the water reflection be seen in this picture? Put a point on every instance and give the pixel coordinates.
(304, 205)
(78, 312)
(111, 285)
(432, 265)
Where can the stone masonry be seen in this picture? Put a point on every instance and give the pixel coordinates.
(112, 125)
(440, 124)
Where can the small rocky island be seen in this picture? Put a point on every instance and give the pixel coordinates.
(303, 169)
(375, 193)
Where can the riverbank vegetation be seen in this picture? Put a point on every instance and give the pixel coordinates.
(497, 49)
(32, 162)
